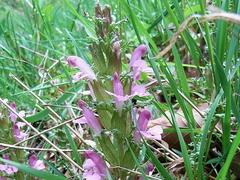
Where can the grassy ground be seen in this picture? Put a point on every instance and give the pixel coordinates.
(201, 69)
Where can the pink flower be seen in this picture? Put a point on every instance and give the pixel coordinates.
(17, 133)
(119, 97)
(152, 133)
(95, 166)
(1, 178)
(140, 66)
(137, 54)
(36, 164)
(138, 90)
(89, 118)
(13, 117)
(137, 63)
(150, 167)
(118, 93)
(75, 61)
(9, 169)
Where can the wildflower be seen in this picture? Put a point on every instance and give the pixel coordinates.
(13, 117)
(17, 133)
(9, 169)
(89, 118)
(118, 93)
(152, 133)
(150, 167)
(36, 164)
(83, 66)
(140, 66)
(95, 166)
(138, 90)
(137, 54)
(119, 97)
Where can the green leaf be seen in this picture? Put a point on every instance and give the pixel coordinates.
(108, 149)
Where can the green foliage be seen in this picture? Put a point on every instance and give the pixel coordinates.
(36, 38)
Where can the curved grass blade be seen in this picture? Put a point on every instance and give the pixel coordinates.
(33, 172)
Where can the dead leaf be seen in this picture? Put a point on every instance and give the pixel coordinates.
(165, 122)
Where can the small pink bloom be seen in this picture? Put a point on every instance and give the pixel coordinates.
(1, 178)
(13, 117)
(153, 133)
(137, 54)
(95, 166)
(140, 66)
(17, 133)
(90, 118)
(138, 90)
(119, 97)
(75, 61)
(118, 93)
(36, 164)
(150, 167)
(9, 169)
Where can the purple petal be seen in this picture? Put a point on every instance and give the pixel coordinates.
(13, 117)
(153, 133)
(143, 119)
(139, 90)
(97, 160)
(82, 65)
(20, 124)
(9, 169)
(78, 76)
(32, 160)
(39, 165)
(6, 157)
(117, 85)
(88, 164)
(156, 132)
(36, 164)
(80, 120)
(137, 54)
(18, 134)
(90, 175)
(141, 65)
(118, 93)
(91, 119)
(150, 167)
(118, 98)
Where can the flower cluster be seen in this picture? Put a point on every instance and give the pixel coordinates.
(11, 131)
(113, 90)
(95, 167)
